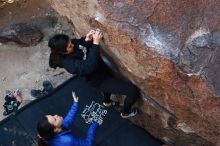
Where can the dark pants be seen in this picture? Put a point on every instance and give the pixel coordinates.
(116, 86)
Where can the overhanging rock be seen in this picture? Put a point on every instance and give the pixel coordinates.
(170, 50)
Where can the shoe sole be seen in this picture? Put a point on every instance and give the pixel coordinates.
(129, 116)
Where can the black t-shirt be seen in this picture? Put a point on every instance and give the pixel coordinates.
(86, 61)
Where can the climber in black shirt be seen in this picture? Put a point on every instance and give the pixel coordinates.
(82, 57)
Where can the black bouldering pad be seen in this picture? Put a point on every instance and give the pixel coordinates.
(20, 129)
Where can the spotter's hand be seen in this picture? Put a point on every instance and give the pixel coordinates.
(75, 98)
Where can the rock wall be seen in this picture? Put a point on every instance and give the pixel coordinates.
(170, 50)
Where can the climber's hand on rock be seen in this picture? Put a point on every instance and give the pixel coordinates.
(89, 36)
(97, 36)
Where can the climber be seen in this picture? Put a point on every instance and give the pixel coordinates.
(82, 57)
(56, 131)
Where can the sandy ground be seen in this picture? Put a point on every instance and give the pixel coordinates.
(25, 68)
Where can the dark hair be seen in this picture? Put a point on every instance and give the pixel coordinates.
(45, 131)
(58, 45)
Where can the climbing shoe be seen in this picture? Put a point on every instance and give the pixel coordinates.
(37, 93)
(132, 113)
(112, 103)
(48, 87)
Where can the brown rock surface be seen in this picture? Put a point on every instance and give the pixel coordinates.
(170, 50)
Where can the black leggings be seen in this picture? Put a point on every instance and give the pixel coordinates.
(116, 86)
